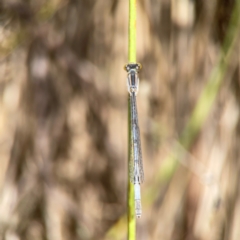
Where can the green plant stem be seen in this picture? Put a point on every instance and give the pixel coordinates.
(131, 202)
(131, 58)
(132, 31)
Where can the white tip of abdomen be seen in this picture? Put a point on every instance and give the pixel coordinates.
(138, 207)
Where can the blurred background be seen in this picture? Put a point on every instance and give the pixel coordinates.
(63, 119)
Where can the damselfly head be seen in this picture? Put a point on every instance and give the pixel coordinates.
(133, 66)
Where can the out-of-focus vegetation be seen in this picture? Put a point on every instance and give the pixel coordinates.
(63, 119)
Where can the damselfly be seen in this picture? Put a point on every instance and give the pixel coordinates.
(135, 165)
